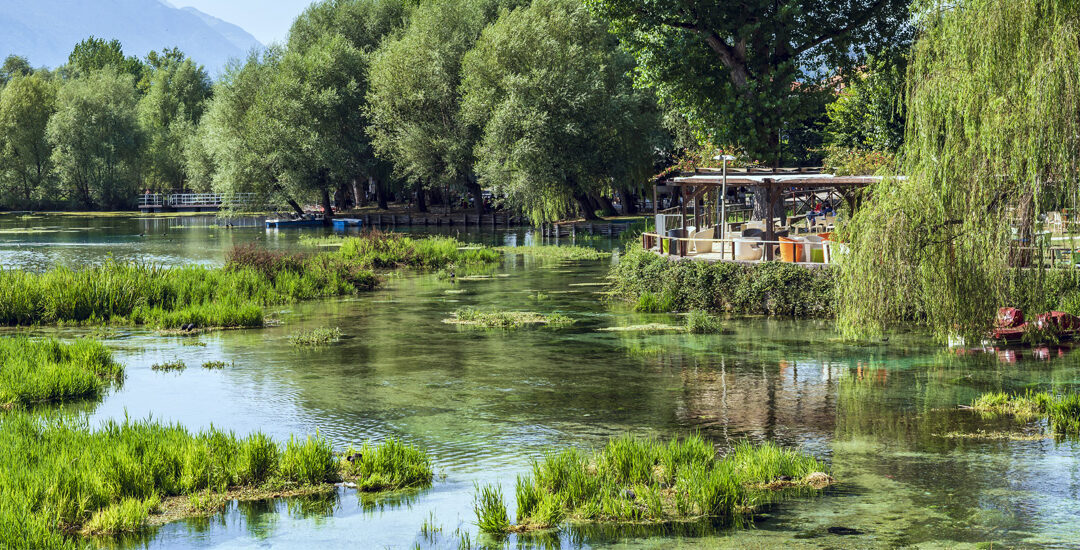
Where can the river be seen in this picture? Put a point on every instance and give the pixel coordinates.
(886, 416)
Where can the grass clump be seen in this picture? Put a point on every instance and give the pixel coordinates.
(315, 337)
(1062, 411)
(556, 252)
(505, 319)
(176, 365)
(48, 370)
(649, 481)
(215, 365)
(701, 322)
(389, 466)
(59, 477)
(230, 296)
(490, 510)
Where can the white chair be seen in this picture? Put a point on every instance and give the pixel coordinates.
(748, 248)
(703, 240)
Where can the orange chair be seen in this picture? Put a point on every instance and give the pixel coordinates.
(790, 250)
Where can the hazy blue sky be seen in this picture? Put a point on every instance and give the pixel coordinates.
(267, 20)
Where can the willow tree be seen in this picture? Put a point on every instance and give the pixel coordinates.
(993, 138)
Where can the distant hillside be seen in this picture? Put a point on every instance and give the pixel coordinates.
(45, 31)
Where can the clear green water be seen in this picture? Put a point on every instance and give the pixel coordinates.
(485, 403)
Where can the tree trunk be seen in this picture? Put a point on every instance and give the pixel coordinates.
(588, 210)
(328, 211)
(421, 204)
(358, 197)
(629, 201)
(380, 194)
(295, 207)
(605, 205)
(477, 194)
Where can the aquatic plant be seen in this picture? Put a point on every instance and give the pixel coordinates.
(1061, 410)
(490, 510)
(656, 285)
(505, 319)
(390, 465)
(61, 477)
(556, 252)
(315, 337)
(701, 322)
(646, 480)
(215, 365)
(49, 370)
(176, 365)
(232, 296)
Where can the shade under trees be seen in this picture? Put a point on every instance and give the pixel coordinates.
(993, 139)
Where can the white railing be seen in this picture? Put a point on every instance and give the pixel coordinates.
(195, 200)
(746, 249)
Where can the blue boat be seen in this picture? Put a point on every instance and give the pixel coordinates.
(342, 223)
(293, 223)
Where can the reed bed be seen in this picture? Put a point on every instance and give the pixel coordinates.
(49, 370)
(315, 337)
(505, 319)
(1062, 411)
(635, 480)
(59, 477)
(232, 296)
(389, 466)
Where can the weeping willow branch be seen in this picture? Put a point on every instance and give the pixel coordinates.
(993, 137)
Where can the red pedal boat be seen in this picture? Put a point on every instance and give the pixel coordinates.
(1011, 325)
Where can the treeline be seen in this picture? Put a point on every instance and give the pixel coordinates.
(536, 100)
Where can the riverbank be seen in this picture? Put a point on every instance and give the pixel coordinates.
(655, 284)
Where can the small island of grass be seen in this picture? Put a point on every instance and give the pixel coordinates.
(505, 319)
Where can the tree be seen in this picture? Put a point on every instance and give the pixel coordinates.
(94, 54)
(732, 69)
(176, 92)
(550, 90)
(26, 104)
(869, 113)
(414, 102)
(993, 131)
(95, 138)
(14, 65)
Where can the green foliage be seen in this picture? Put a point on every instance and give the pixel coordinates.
(95, 138)
(60, 476)
(869, 113)
(1062, 410)
(645, 480)
(857, 162)
(26, 175)
(490, 509)
(987, 149)
(176, 365)
(168, 113)
(97, 54)
(14, 66)
(556, 252)
(702, 322)
(656, 284)
(560, 118)
(389, 466)
(232, 296)
(48, 370)
(506, 319)
(315, 337)
(731, 74)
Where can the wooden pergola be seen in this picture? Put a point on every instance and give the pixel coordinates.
(692, 188)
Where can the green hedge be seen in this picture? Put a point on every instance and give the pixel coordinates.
(655, 283)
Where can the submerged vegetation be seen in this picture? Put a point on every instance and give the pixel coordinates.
(1061, 410)
(60, 477)
(556, 252)
(48, 370)
(505, 319)
(315, 337)
(646, 481)
(702, 322)
(232, 296)
(656, 285)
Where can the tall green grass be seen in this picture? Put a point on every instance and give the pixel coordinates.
(58, 477)
(556, 252)
(389, 466)
(1061, 410)
(48, 370)
(232, 296)
(647, 480)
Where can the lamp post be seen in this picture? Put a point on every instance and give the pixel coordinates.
(723, 196)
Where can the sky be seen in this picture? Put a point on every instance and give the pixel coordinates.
(267, 20)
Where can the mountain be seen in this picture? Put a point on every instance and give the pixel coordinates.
(45, 31)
